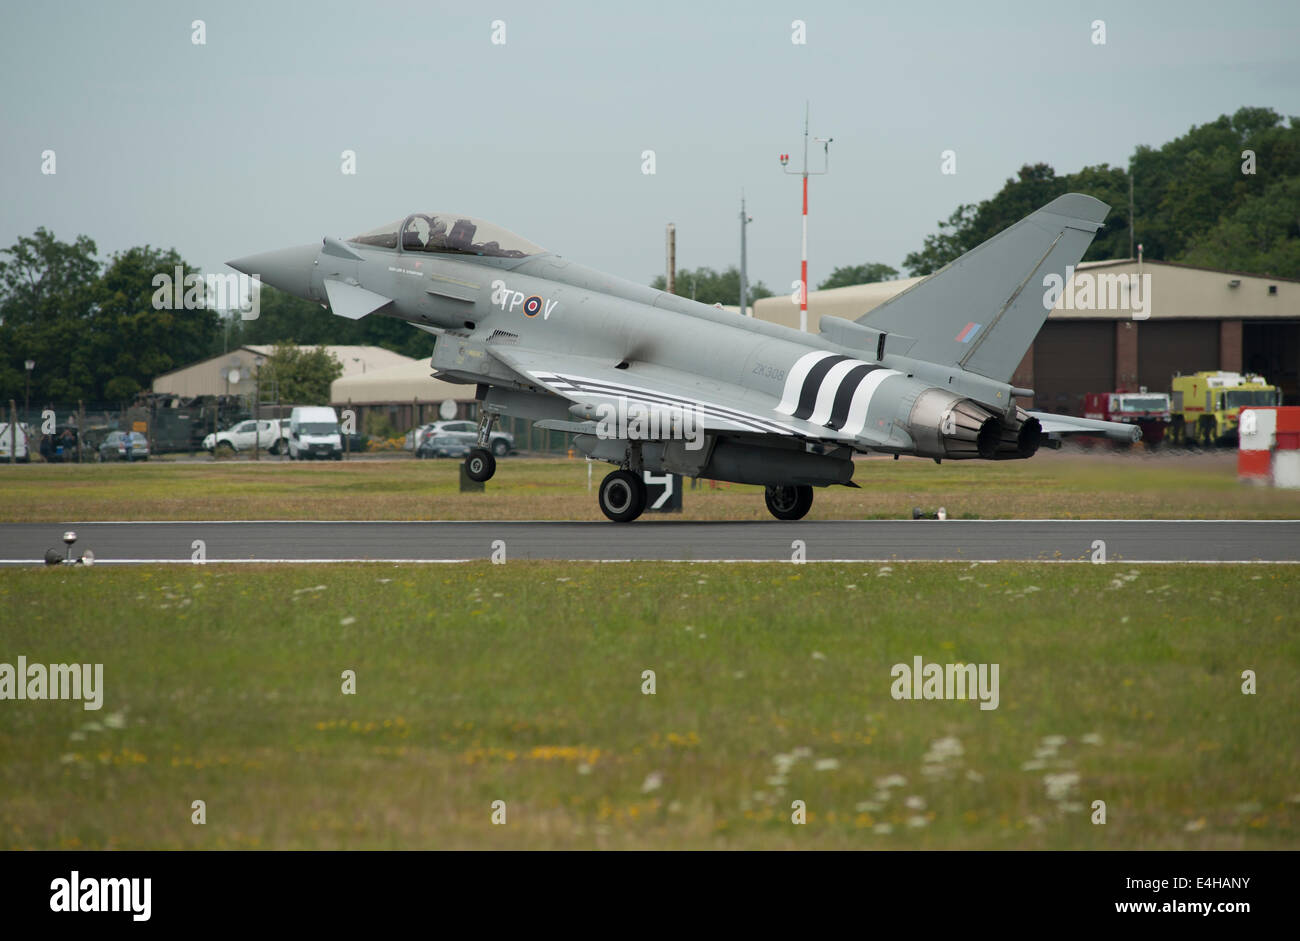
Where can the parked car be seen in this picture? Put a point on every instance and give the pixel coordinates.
(17, 438)
(500, 443)
(443, 446)
(313, 433)
(415, 436)
(124, 446)
(269, 434)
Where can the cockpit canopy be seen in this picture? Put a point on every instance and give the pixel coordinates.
(449, 233)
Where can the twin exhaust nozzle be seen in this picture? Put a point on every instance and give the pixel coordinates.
(997, 439)
(945, 426)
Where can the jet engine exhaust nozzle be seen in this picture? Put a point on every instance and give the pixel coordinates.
(970, 430)
(1020, 437)
(945, 426)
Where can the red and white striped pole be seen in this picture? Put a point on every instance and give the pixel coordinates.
(803, 259)
(803, 246)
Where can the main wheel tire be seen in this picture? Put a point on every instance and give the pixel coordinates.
(225, 449)
(789, 503)
(622, 496)
(480, 465)
(500, 447)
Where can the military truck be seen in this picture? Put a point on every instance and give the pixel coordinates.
(179, 423)
(1206, 405)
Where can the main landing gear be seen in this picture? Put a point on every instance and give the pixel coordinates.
(789, 503)
(622, 496)
(480, 465)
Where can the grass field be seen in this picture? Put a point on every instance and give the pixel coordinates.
(1051, 485)
(478, 683)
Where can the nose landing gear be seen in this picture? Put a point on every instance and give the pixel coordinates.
(480, 465)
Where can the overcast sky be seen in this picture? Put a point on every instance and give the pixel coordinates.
(233, 147)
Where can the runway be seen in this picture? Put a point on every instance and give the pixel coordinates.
(1132, 541)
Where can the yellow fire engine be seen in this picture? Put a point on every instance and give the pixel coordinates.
(1206, 405)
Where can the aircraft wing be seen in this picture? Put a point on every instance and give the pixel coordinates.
(720, 407)
(1057, 425)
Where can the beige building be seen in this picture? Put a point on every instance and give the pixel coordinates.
(407, 393)
(1195, 319)
(235, 373)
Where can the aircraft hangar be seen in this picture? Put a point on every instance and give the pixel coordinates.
(406, 393)
(235, 372)
(1195, 319)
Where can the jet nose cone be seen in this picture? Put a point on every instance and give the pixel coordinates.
(288, 269)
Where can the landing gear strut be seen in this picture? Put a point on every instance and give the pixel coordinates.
(480, 465)
(789, 503)
(622, 496)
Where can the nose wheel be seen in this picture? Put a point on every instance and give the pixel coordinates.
(789, 503)
(480, 465)
(622, 496)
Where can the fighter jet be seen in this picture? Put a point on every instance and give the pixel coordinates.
(651, 382)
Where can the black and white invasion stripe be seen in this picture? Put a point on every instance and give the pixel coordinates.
(832, 390)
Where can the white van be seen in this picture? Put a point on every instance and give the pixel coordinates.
(314, 432)
(17, 439)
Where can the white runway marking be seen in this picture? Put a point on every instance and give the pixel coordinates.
(773, 561)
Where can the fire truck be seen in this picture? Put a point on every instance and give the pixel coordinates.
(1148, 410)
(1206, 405)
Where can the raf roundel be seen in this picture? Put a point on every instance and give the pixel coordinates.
(532, 306)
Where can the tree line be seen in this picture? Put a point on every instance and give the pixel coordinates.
(93, 333)
(1224, 195)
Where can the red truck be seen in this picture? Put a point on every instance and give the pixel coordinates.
(1148, 410)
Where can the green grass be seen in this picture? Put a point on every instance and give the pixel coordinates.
(1051, 485)
(522, 683)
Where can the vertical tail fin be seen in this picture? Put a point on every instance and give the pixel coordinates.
(983, 310)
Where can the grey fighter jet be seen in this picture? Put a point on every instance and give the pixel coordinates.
(648, 381)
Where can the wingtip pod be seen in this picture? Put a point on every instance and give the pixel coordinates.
(1059, 425)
